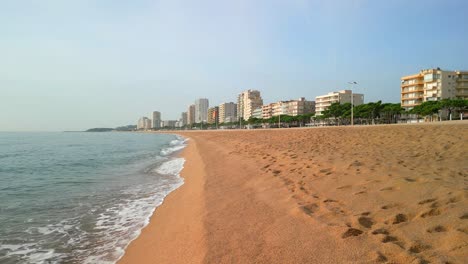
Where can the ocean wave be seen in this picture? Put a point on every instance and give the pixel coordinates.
(175, 145)
(171, 167)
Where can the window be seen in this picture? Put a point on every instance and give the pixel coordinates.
(429, 77)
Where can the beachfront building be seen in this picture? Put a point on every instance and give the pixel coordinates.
(156, 122)
(213, 115)
(267, 111)
(144, 123)
(191, 115)
(247, 102)
(201, 110)
(322, 102)
(227, 112)
(293, 107)
(433, 85)
(257, 113)
(169, 123)
(183, 119)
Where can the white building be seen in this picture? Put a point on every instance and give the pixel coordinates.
(201, 110)
(144, 123)
(433, 85)
(156, 122)
(322, 102)
(247, 102)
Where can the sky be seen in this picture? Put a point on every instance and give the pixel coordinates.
(77, 64)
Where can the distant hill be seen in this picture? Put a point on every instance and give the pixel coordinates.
(106, 129)
(100, 129)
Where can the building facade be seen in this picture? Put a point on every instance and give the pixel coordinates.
(247, 102)
(293, 107)
(257, 113)
(144, 123)
(322, 102)
(156, 122)
(169, 123)
(227, 112)
(183, 119)
(433, 85)
(201, 110)
(213, 115)
(191, 115)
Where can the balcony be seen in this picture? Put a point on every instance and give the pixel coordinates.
(405, 84)
(404, 91)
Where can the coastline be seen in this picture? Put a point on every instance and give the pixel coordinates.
(177, 240)
(327, 195)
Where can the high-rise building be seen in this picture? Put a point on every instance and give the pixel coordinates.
(227, 111)
(247, 102)
(322, 102)
(183, 119)
(144, 123)
(156, 122)
(433, 85)
(191, 115)
(213, 115)
(201, 110)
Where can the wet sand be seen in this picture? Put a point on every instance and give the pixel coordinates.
(367, 194)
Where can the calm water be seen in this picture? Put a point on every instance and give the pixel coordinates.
(80, 197)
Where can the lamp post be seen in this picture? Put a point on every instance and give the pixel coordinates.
(352, 102)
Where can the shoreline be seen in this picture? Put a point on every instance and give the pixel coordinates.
(167, 218)
(326, 195)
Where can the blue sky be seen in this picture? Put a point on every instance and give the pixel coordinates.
(71, 65)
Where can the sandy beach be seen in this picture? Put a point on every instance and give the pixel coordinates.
(364, 194)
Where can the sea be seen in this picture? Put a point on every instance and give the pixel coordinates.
(81, 197)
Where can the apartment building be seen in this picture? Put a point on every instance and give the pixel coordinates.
(247, 102)
(257, 113)
(183, 119)
(267, 110)
(322, 102)
(191, 115)
(144, 123)
(433, 85)
(169, 123)
(293, 107)
(213, 115)
(227, 112)
(201, 110)
(156, 122)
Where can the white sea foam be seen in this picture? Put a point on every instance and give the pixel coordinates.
(175, 145)
(171, 167)
(120, 219)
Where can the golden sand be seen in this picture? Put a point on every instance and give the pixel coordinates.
(375, 194)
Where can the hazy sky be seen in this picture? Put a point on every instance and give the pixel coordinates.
(76, 64)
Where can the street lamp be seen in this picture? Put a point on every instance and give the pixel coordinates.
(352, 102)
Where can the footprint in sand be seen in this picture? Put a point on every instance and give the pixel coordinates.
(310, 209)
(351, 232)
(380, 231)
(400, 218)
(366, 222)
(427, 201)
(432, 212)
(389, 206)
(418, 247)
(437, 229)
